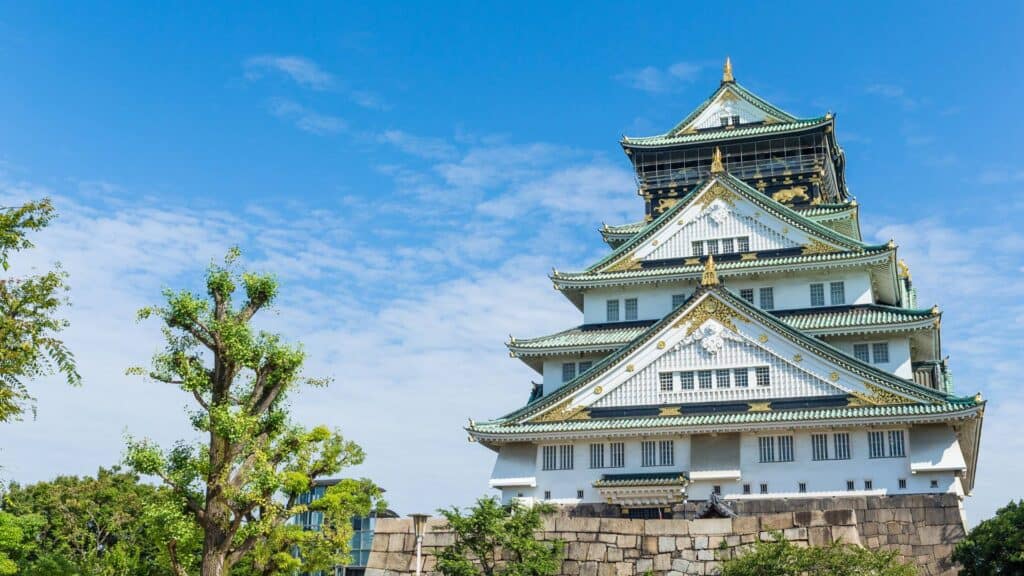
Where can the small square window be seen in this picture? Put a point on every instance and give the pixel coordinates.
(722, 378)
(739, 375)
(767, 298)
(568, 371)
(850, 485)
(727, 246)
(547, 494)
(712, 246)
(678, 299)
(665, 379)
(743, 243)
(880, 352)
(686, 380)
(903, 483)
(579, 494)
(934, 484)
(747, 294)
(802, 487)
(860, 352)
(764, 488)
(724, 120)
(817, 294)
(735, 120)
(584, 366)
(763, 376)
(698, 247)
(716, 489)
(631, 309)
(837, 293)
(704, 378)
(746, 488)
(869, 485)
(612, 307)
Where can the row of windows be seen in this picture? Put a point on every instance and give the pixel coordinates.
(612, 309)
(708, 379)
(881, 444)
(873, 353)
(765, 300)
(836, 294)
(721, 246)
(571, 369)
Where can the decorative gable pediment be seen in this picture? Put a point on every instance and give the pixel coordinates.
(717, 332)
(729, 103)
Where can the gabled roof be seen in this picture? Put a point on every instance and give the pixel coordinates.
(723, 185)
(833, 320)
(564, 403)
(749, 130)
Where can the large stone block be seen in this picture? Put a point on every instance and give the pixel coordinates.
(666, 527)
(819, 535)
(711, 526)
(625, 541)
(643, 565)
(745, 524)
(705, 555)
(588, 569)
(570, 568)
(624, 569)
(841, 517)
(846, 535)
(663, 562)
(797, 533)
(777, 521)
(666, 544)
(621, 526)
(596, 551)
(650, 545)
(566, 524)
(614, 554)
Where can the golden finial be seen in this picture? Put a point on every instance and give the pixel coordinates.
(727, 71)
(904, 269)
(935, 310)
(716, 162)
(710, 276)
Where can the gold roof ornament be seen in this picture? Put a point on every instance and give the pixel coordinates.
(710, 276)
(727, 71)
(716, 162)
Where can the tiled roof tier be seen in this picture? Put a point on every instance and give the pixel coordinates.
(951, 408)
(835, 319)
(719, 135)
(650, 479)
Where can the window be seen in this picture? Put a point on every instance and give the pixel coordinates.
(704, 377)
(740, 376)
(860, 352)
(817, 294)
(665, 379)
(568, 371)
(597, 455)
(776, 448)
(837, 293)
(763, 376)
(686, 380)
(850, 485)
(712, 246)
(617, 455)
(727, 246)
(666, 453)
(802, 487)
(841, 444)
(767, 298)
(735, 120)
(747, 294)
(613, 310)
(934, 484)
(764, 487)
(565, 457)
(631, 308)
(716, 489)
(876, 444)
(723, 120)
(678, 299)
(698, 248)
(648, 454)
(819, 446)
(896, 449)
(746, 488)
(550, 461)
(903, 483)
(547, 494)
(880, 352)
(584, 366)
(722, 378)
(579, 494)
(869, 485)
(743, 244)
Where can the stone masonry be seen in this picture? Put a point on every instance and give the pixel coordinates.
(921, 528)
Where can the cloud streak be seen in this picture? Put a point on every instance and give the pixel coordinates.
(660, 80)
(300, 70)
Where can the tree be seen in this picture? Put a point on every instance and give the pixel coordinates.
(496, 541)
(90, 525)
(241, 484)
(779, 557)
(17, 540)
(29, 325)
(996, 545)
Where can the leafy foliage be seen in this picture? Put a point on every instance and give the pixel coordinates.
(29, 346)
(996, 545)
(242, 483)
(496, 541)
(779, 557)
(86, 525)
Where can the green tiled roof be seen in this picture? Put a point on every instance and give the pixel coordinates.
(824, 209)
(651, 479)
(631, 228)
(776, 416)
(611, 336)
(718, 134)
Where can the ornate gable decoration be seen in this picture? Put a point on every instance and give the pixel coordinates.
(878, 395)
(709, 309)
(563, 412)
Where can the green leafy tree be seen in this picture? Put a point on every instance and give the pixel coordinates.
(18, 540)
(495, 541)
(779, 557)
(91, 525)
(996, 545)
(240, 485)
(29, 325)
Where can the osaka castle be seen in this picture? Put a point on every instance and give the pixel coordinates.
(743, 340)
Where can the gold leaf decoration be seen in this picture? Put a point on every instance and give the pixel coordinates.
(598, 390)
(661, 344)
(798, 358)
(762, 338)
(818, 247)
(717, 192)
(669, 411)
(879, 395)
(709, 309)
(625, 265)
(748, 256)
(760, 407)
(630, 367)
(834, 376)
(563, 412)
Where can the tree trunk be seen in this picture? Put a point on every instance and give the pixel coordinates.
(213, 564)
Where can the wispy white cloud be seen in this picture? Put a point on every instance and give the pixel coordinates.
(306, 119)
(655, 79)
(421, 146)
(302, 71)
(893, 92)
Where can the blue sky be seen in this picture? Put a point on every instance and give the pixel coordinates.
(413, 171)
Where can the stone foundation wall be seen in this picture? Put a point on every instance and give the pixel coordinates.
(921, 528)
